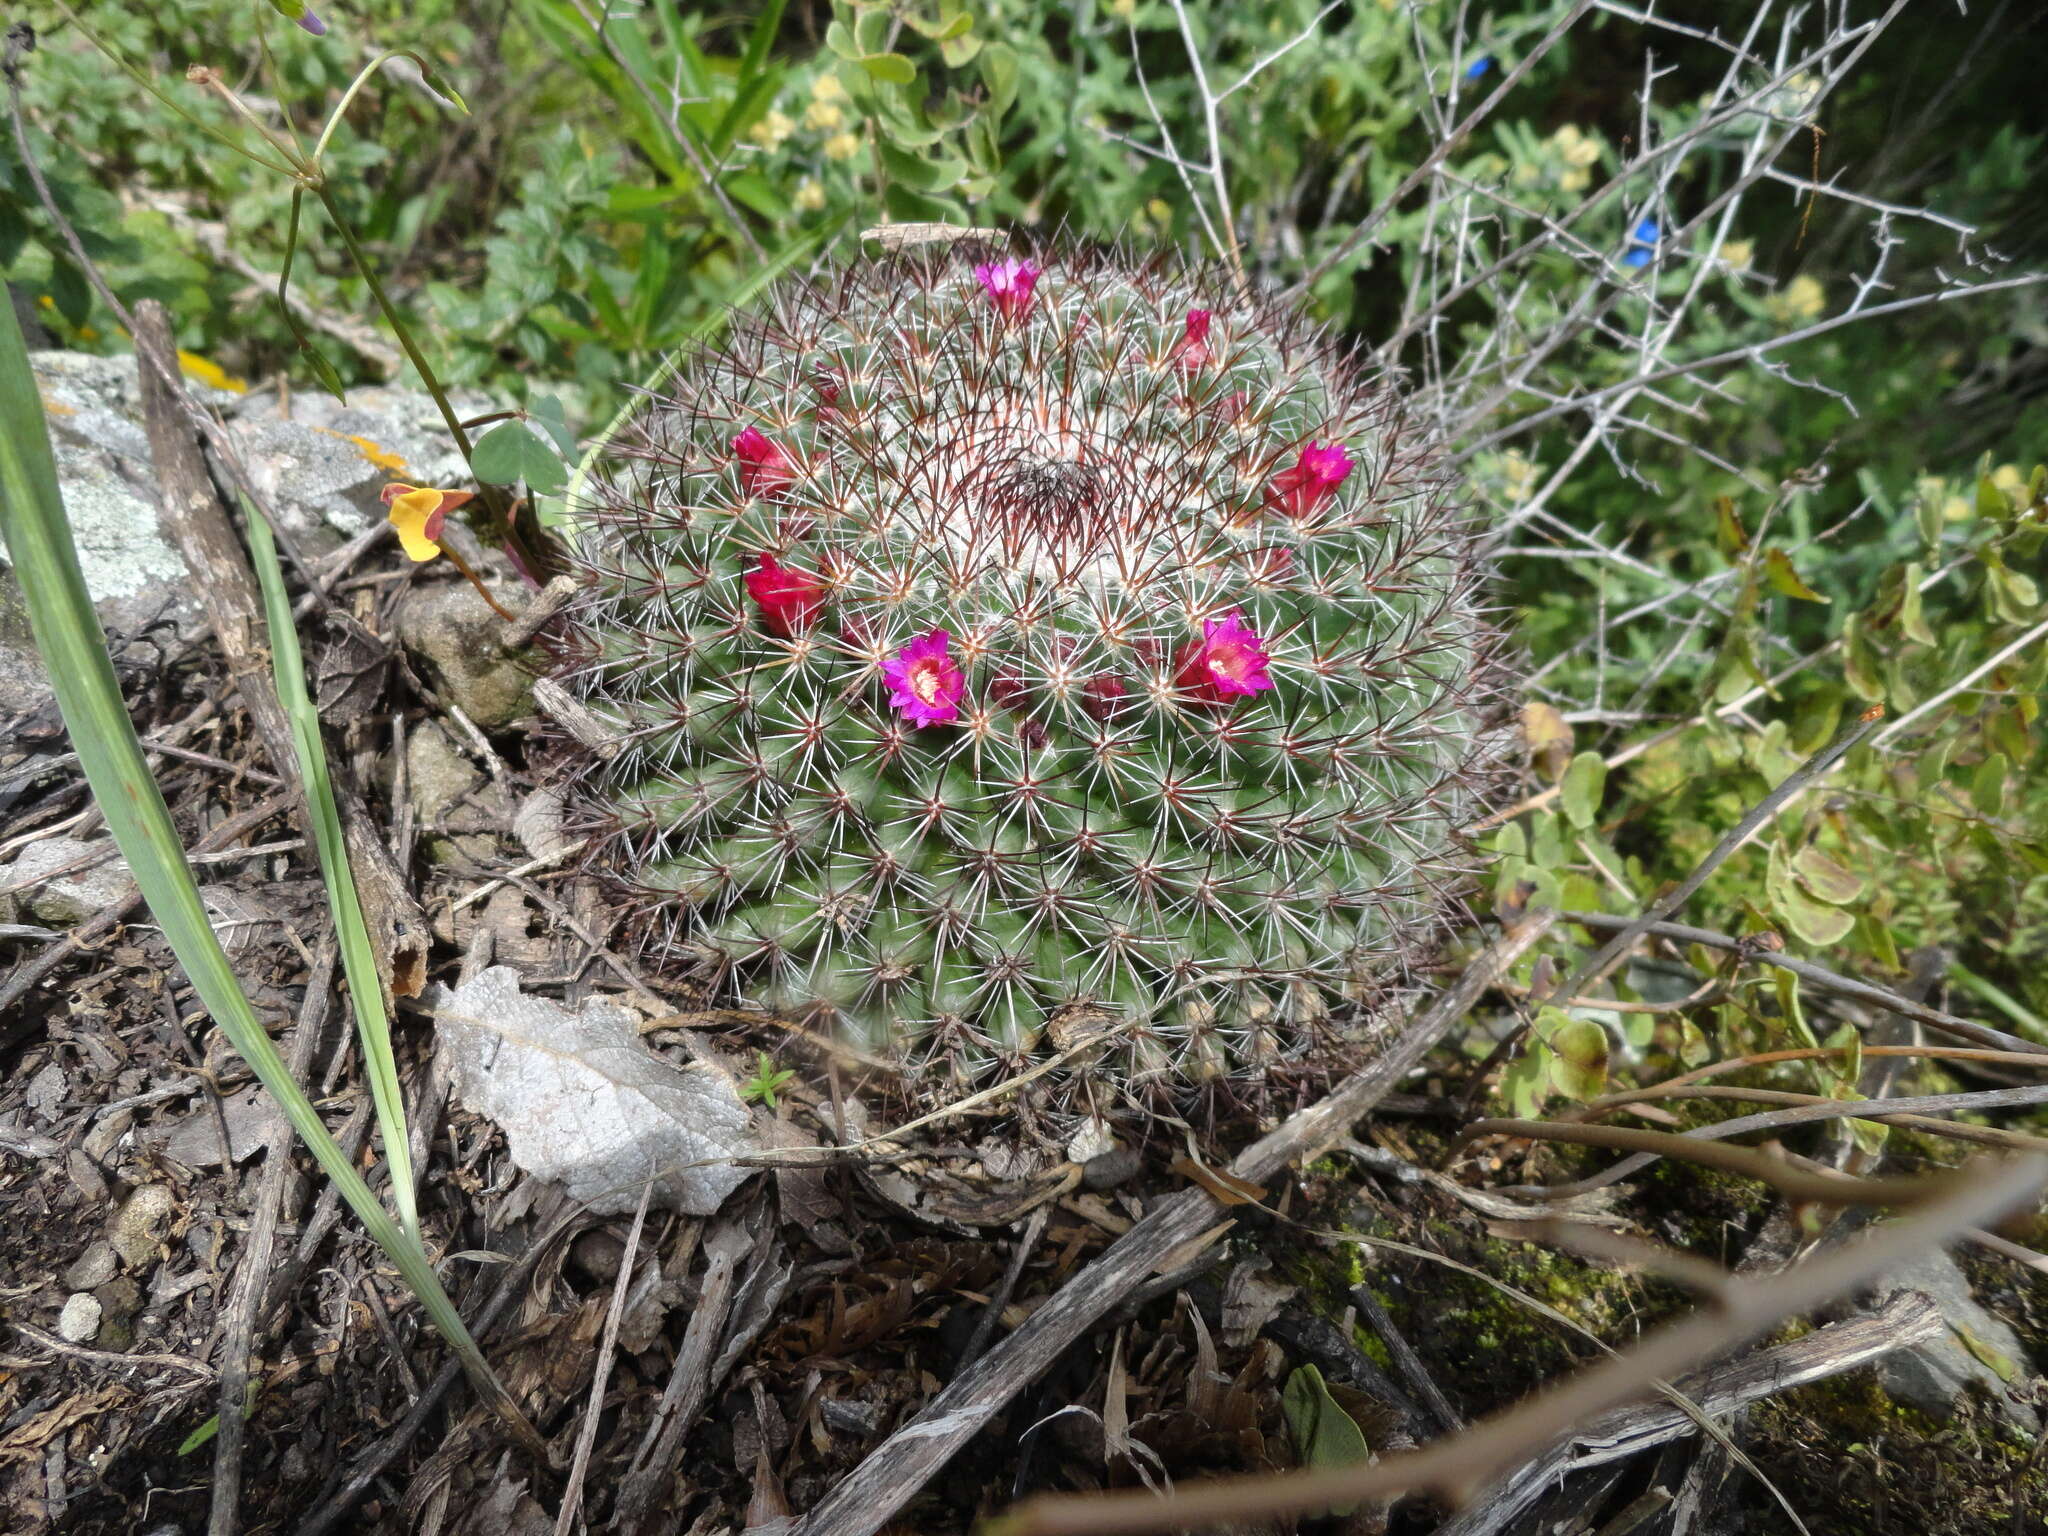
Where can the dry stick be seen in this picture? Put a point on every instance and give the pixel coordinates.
(1807, 1107)
(1406, 1360)
(689, 1382)
(374, 1462)
(1906, 1319)
(108, 918)
(1694, 1145)
(1802, 1053)
(586, 1438)
(1820, 976)
(198, 525)
(869, 1496)
(1708, 1150)
(1789, 788)
(1445, 146)
(1458, 1465)
(252, 1280)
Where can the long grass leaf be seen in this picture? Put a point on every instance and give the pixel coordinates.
(358, 959)
(74, 649)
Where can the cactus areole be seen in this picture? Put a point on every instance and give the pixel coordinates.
(1002, 646)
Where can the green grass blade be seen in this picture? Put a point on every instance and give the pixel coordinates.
(73, 647)
(358, 959)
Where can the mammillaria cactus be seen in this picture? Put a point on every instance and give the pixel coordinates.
(994, 645)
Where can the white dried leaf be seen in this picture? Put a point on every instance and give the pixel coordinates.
(584, 1103)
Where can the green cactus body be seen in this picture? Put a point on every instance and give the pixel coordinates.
(993, 648)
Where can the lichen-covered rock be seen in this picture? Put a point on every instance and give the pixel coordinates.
(999, 648)
(322, 469)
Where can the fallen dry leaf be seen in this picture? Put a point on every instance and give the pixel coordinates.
(584, 1103)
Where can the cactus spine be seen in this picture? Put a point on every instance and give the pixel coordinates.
(992, 641)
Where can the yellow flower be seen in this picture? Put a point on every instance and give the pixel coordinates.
(1123, 10)
(1801, 299)
(823, 114)
(1161, 212)
(1578, 150)
(1575, 180)
(1736, 255)
(809, 196)
(417, 512)
(827, 88)
(842, 146)
(2007, 478)
(772, 130)
(1519, 474)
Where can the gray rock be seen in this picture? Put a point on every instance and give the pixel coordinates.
(93, 1268)
(323, 468)
(79, 1322)
(132, 1232)
(68, 898)
(461, 642)
(1974, 1350)
(47, 1090)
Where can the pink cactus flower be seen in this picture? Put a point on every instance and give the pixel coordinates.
(1302, 490)
(765, 470)
(1009, 283)
(924, 682)
(1230, 663)
(790, 601)
(1191, 353)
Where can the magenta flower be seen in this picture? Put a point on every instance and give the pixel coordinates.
(1009, 283)
(1230, 662)
(925, 683)
(765, 470)
(790, 601)
(1313, 480)
(1191, 353)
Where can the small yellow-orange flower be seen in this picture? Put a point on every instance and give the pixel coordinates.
(417, 512)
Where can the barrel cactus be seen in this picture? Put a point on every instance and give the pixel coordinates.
(995, 644)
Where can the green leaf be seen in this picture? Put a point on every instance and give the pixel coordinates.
(1826, 879)
(1912, 616)
(510, 452)
(1728, 530)
(892, 67)
(999, 72)
(1324, 1434)
(1814, 922)
(1579, 1049)
(358, 957)
(960, 51)
(1783, 578)
(2002, 1365)
(1991, 500)
(324, 371)
(1585, 781)
(919, 174)
(547, 410)
(1792, 1007)
(1987, 789)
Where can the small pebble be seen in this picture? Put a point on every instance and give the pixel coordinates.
(79, 1322)
(93, 1268)
(133, 1229)
(1110, 1169)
